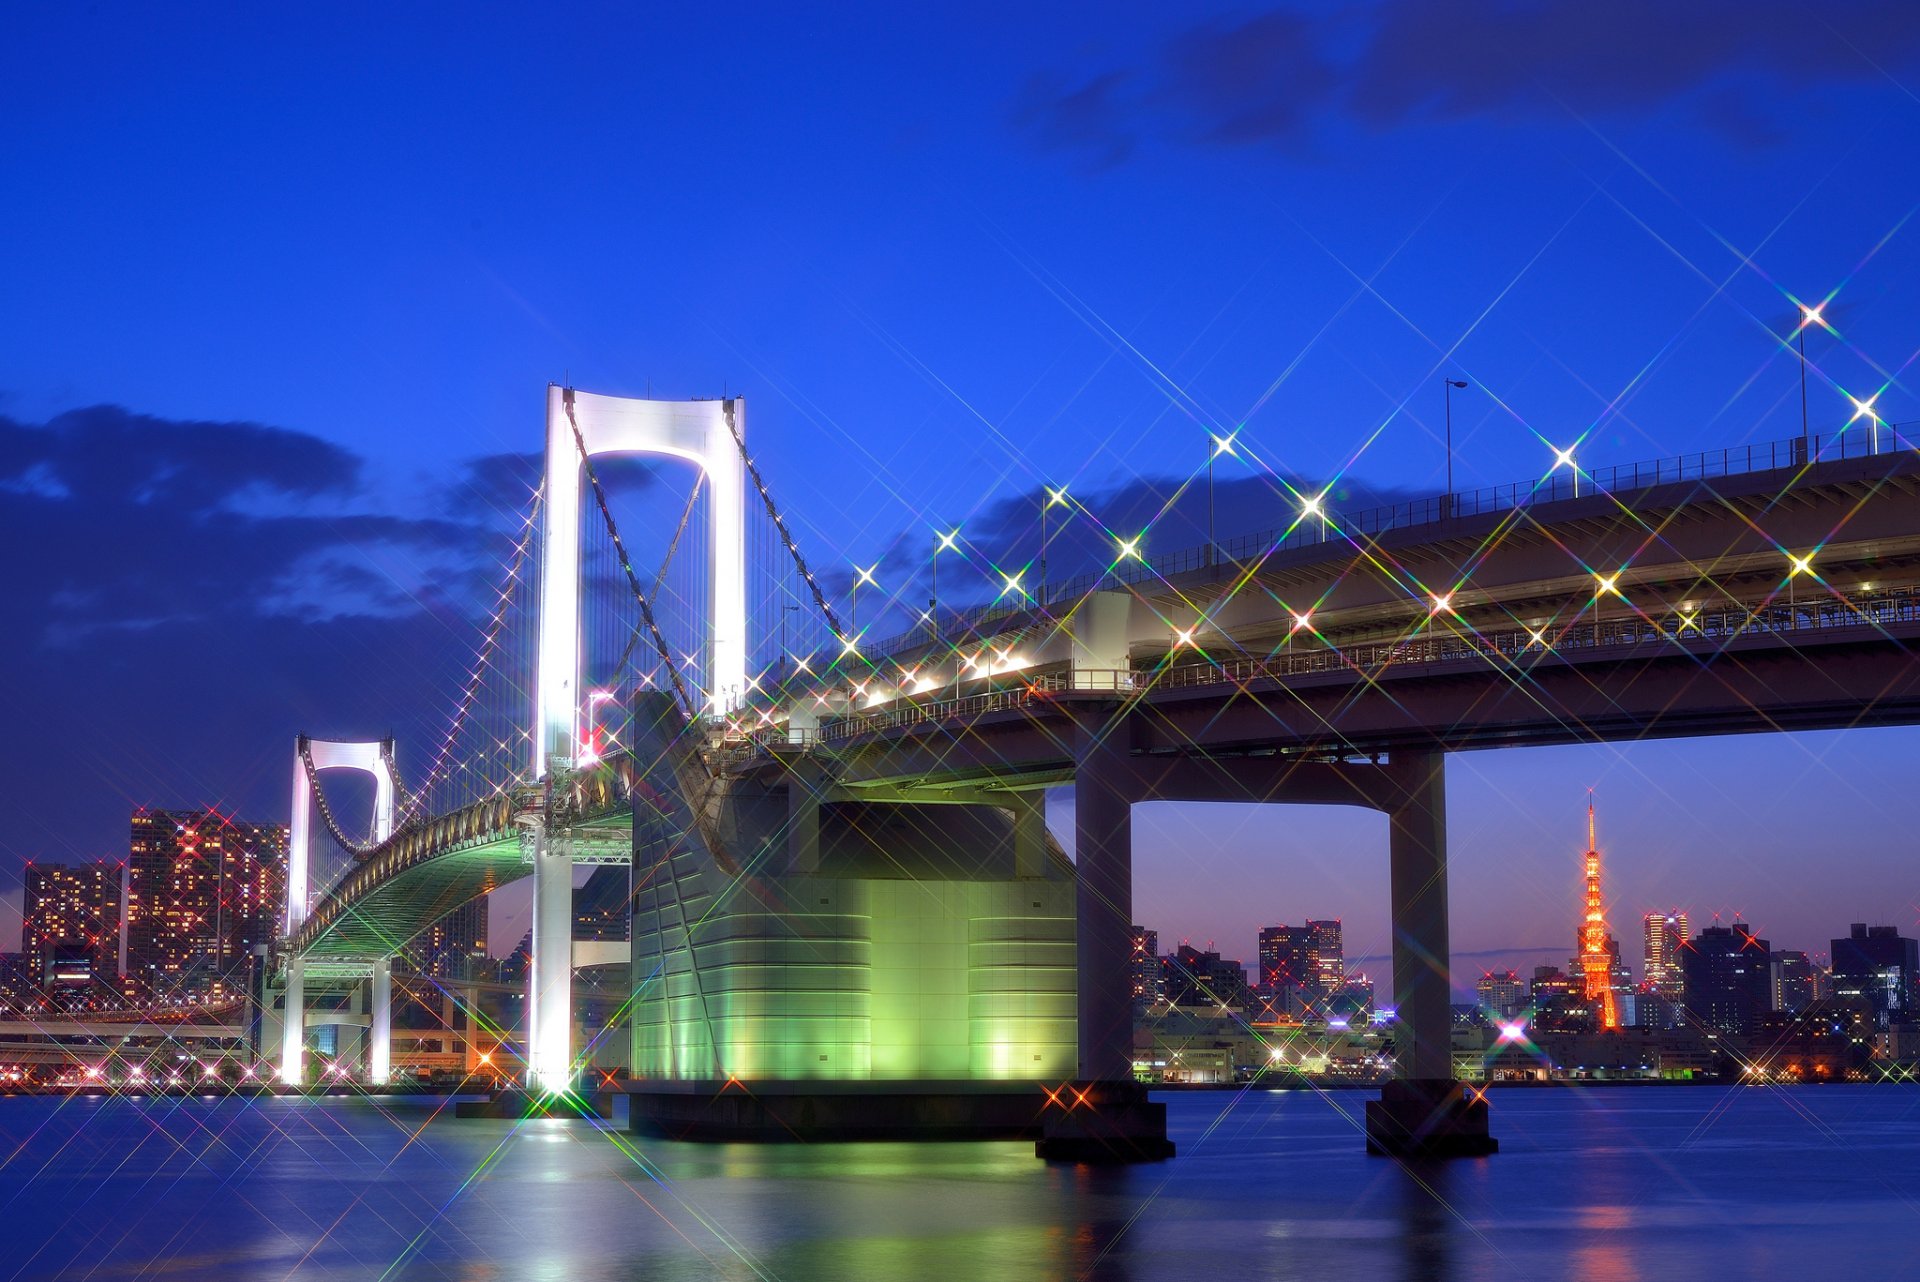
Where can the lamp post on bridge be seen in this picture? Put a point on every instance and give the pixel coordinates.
(1221, 445)
(853, 594)
(1053, 497)
(1450, 384)
(942, 543)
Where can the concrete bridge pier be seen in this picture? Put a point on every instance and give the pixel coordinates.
(1105, 1116)
(380, 1032)
(1424, 1112)
(293, 1024)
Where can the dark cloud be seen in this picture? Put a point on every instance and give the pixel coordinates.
(1083, 117)
(185, 597)
(1282, 76)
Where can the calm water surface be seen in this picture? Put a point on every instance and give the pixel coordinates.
(1610, 1184)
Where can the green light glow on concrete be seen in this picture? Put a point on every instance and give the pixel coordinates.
(873, 978)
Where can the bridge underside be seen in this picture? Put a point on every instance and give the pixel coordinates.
(388, 912)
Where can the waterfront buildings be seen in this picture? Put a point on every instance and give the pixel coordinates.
(1143, 980)
(1728, 978)
(1876, 964)
(202, 890)
(1193, 977)
(1665, 933)
(70, 928)
(1792, 975)
(454, 947)
(1502, 994)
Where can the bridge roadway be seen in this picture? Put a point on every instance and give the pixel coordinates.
(1338, 669)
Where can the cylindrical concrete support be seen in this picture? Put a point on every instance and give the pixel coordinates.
(293, 1023)
(550, 973)
(1421, 946)
(1029, 833)
(1103, 900)
(380, 1017)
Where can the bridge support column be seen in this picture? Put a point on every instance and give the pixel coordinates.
(380, 1020)
(1424, 1112)
(550, 974)
(293, 1024)
(1030, 840)
(1106, 1116)
(805, 784)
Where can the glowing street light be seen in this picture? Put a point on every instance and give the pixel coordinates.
(860, 576)
(1221, 445)
(946, 542)
(1799, 564)
(1808, 316)
(1564, 458)
(1864, 409)
(1442, 602)
(1012, 584)
(1130, 549)
(1056, 496)
(1314, 505)
(1605, 583)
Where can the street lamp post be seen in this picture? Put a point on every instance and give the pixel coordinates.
(853, 597)
(942, 543)
(1053, 496)
(1221, 445)
(1450, 384)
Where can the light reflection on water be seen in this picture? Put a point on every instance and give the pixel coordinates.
(1602, 1186)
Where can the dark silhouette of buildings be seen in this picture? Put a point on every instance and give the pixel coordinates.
(1728, 978)
(1876, 964)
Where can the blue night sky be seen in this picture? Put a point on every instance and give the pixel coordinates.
(278, 291)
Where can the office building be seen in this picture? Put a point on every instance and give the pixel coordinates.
(1876, 964)
(1665, 933)
(1195, 978)
(1792, 981)
(1727, 978)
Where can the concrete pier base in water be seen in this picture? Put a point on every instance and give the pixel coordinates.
(1429, 1118)
(1104, 1123)
(812, 1111)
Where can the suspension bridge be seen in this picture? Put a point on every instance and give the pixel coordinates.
(841, 864)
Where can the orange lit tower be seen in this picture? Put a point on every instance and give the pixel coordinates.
(1595, 959)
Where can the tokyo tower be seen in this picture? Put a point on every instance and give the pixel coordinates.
(1596, 961)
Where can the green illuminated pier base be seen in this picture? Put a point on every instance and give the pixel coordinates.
(811, 965)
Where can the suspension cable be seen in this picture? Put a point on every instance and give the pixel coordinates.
(417, 800)
(780, 524)
(687, 706)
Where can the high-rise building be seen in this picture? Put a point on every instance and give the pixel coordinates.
(202, 890)
(1665, 933)
(1502, 993)
(1143, 969)
(1329, 955)
(455, 946)
(1792, 974)
(1196, 978)
(1728, 978)
(1876, 964)
(1286, 959)
(72, 914)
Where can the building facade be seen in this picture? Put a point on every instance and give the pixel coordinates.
(1728, 978)
(1876, 964)
(1660, 957)
(70, 923)
(202, 891)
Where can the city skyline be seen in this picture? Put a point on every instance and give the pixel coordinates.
(297, 509)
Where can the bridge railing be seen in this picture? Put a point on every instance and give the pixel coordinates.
(1562, 483)
(1770, 615)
